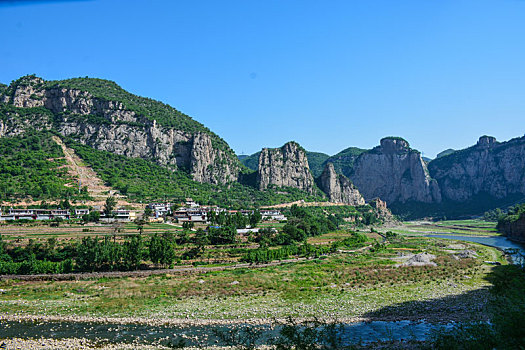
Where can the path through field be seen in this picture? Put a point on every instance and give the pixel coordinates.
(87, 176)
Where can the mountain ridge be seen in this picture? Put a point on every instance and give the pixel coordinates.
(100, 115)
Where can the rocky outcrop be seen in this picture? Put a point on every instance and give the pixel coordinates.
(108, 125)
(338, 188)
(381, 209)
(513, 228)
(285, 166)
(395, 173)
(489, 167)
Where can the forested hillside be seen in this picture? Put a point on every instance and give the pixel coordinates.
(142, 180)
(32, 167)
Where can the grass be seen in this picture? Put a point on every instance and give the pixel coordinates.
(67, 231)
(458, 227)
(341, 285)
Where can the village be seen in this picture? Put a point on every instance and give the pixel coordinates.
(189, 211)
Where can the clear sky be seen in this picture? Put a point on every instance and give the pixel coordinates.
(327, 74)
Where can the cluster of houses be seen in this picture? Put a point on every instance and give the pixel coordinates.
(41, 214)
(193, 212)
(64, 214)
(190, 212)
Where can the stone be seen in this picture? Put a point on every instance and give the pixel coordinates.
(285, 166)
(395, 173)
(488, 168)
(338, 188)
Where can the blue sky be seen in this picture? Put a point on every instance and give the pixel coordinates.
(327, 74)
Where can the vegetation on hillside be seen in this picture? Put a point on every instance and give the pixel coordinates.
(344, 161)
(513, 214)
(142, 179)
(251, 161)
(316, 162)
(32, 165)
(476, 206)
(445, 152)
(146, 108)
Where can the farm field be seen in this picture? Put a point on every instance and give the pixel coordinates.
(379, 279)
(65, 231)
(459, 227)
(342, 285)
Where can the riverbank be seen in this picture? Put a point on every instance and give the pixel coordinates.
(348, 287)
(75, 344)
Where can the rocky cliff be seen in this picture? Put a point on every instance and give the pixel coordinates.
(382, 210)
(285, 166)
(490, 167)
(100, 114)
(395, 173)
(338, 188)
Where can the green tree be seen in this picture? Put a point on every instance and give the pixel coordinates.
(255, 218)
(188, 225)
(111, 202)
(140, 222)
(132, 252)
(161, 249)
(93, 216)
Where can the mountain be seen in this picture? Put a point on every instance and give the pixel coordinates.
(250, 161)
(394, 172)
(344, 161)
(445, 152)
(147, 150)
(490, 167)
(338, 188)
(140, 148)
(285, 167)
(316, 161)
(102, 115)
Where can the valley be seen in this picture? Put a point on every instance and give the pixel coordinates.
(350, 285)
(121, 213)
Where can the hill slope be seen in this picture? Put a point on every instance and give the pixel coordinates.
(32, 167)
(102, 115)
(316, 161)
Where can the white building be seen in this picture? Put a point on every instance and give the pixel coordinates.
(272, 215)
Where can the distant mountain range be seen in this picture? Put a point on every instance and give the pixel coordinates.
(147, 150)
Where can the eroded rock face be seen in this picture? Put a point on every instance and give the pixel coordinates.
(381, 208)
(490, 167)
(109, 126)
(395, 173)
(515, 230)
(338, 188)
(285, 166)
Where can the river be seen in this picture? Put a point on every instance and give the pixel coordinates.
(515, 250)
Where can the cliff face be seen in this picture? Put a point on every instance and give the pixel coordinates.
(490, 167)
(109, 125)
(285, 166)
(382, 210)
(514, 230)
(338, 188)
(395, 173)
